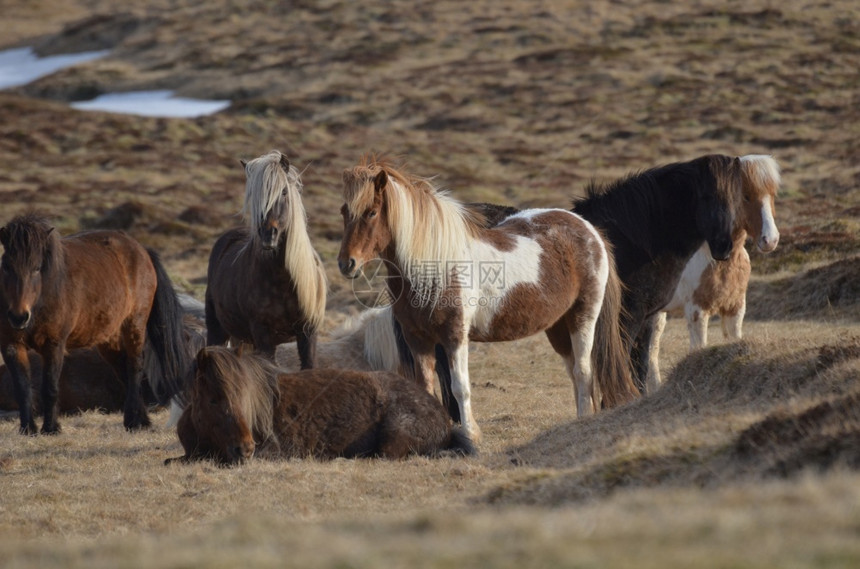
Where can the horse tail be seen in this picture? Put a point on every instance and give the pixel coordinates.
(460, 443)
(166, 342)
(610, 356)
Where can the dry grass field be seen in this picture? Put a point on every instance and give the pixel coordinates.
(749, 456)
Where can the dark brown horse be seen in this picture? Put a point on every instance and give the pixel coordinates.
(97, 288)
(242, 404)
(266, 284)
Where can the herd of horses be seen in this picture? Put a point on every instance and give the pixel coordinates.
(94, 318)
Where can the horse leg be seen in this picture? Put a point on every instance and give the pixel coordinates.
(645, 351)
(443, 372)
(461, 388)
(653, 379)
(306, 343)
(127, 367)
(215, 333)
(52, 361)
(18, 362)
(732, 323)
(697, 325)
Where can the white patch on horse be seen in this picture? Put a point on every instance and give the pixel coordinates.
(495, 274)
(769, 233)
(691, 278)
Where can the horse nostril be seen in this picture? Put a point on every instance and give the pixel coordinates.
(18, 320)
(346, 267)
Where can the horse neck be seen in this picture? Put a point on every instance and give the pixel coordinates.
(54, 285)
(442, 233)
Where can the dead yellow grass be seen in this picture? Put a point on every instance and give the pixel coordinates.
(510, 102)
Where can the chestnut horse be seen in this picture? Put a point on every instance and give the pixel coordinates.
(539, 270)
(242, 404)
(707, 288)
(266, 284)
(89, 383)
(96, 288)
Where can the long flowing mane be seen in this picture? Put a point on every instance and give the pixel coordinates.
(31, 234)
(250, 382)
(269, 182)
(640, 204)
(428, 226)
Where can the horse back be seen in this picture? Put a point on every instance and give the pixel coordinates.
(109, 280)
(329, 413)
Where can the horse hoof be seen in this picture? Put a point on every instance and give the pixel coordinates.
(29, 430)
(137, 426)
(51, 429)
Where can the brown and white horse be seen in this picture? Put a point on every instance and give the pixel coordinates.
(539, 270)
(707, 288)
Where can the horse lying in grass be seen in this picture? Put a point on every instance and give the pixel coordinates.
(242, 405)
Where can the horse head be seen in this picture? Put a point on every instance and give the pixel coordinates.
(761, 180)
(718, 200)
(366, 232)
(271, 190)
(28, 247)
(216, 407)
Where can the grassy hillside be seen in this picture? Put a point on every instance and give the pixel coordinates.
(747, 457)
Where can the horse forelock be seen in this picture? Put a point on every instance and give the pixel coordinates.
(728, 178)
(265, 182)
(248, 382)
(31, 239)
(761, 175)
(264, 189)
(426, 223)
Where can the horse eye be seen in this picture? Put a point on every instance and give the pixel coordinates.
(371, 214)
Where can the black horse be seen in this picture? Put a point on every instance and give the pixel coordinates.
(655, 221)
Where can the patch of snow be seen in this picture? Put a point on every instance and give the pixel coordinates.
(152, 104)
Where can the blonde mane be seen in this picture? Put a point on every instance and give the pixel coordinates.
(429, 227)
(761, 174)
(268, 177)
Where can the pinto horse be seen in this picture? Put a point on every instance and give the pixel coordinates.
(655, 221)
(96, 288)
(707, 288)
(539, 270)
(242, 404)
(266, 283)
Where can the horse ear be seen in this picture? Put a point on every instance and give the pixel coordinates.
(285, 164)
(243, 162)
(380, 181)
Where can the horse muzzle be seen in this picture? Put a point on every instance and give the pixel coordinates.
(767, 243)
(721, 249)
(349, 268)
(19, 321)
